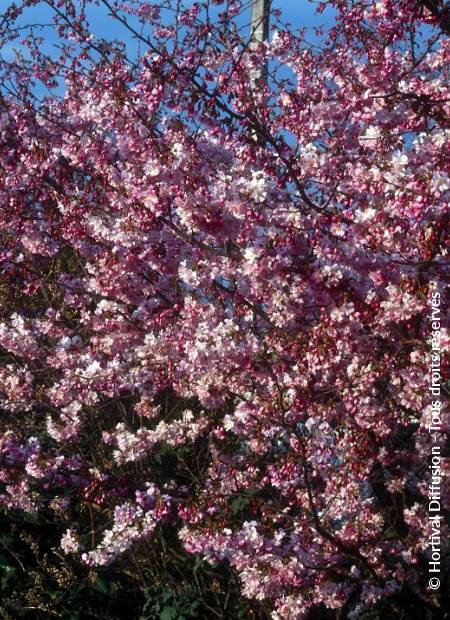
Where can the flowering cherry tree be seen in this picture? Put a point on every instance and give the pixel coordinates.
(214, 306)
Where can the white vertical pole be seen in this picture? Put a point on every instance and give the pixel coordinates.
(260, 32)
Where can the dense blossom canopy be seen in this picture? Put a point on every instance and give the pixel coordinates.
(235, 271)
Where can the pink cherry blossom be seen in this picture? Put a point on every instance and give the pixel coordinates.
(237, 274)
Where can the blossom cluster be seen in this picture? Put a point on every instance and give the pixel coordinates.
(199, 266)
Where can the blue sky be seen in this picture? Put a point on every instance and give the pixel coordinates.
(299, 13)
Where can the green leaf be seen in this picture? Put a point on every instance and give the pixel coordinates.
(238, 504)
(169, 613)
(101, 585)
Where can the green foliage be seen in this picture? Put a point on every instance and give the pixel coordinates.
(157, 582)
(37, 581)
(162, 603)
